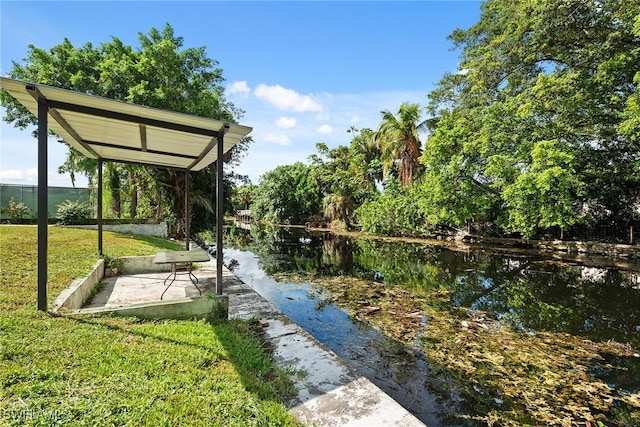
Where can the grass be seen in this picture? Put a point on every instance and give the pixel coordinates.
(121, 371)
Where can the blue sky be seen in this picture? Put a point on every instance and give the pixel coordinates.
(304, 72)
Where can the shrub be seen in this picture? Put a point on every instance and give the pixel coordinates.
(73, 212)
(16, 211)
(394, 213)
(112, 261)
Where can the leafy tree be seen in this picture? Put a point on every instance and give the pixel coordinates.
(337, 183)
(346, 178)
(397, 139)
(396, 212)
(366, 157)
(631, 124)
(161, 73)
(112, 177)
(454, 188)
(287, 194)
(338, 207)
(544, 196)
(538, 80)
(243, 196)
(77, 162)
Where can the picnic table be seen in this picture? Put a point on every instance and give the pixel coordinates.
(181, 258)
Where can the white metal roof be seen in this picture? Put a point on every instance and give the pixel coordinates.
(119, 131)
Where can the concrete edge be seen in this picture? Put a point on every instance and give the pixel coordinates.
(146, 229)
(357, 403)
(209, 307)
(329, 392)
(80, 289)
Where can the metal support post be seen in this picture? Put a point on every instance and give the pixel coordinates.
(219, 207)
(43, 204)
(99, 208)
(186, 210)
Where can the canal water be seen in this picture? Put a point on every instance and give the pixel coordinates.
(526, 293)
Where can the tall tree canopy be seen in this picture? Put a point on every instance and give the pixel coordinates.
(287, 194)
(335, 183)
(540, 125)
(346, 176)
(160, 73)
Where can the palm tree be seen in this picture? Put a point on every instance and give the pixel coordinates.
(243, 196)
(397, 139)
(75, 163)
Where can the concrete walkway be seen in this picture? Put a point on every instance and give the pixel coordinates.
(330, 394)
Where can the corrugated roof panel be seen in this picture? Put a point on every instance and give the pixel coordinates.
(148, 158)
(127, 134)
(112, 128)
(170, 141)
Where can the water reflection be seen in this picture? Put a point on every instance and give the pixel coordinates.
(526, 293)
(398, 371)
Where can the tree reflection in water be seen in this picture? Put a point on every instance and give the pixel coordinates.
(526, 294)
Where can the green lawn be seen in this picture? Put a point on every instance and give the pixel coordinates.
(121, 371)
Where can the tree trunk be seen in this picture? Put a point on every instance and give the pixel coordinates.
(133, 210)
(407, 167)
(116, 204)
(114, 185)
(177, 183)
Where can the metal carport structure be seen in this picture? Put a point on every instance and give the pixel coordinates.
(110, 130)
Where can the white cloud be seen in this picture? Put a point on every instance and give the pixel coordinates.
(324, 129)
(258, 162)
(275, 138)
(239, 88)
(30, 177)
(32, 174)
(286, 122)
(323, 117)
(11, 174)
(276, 146)
(286, 99)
